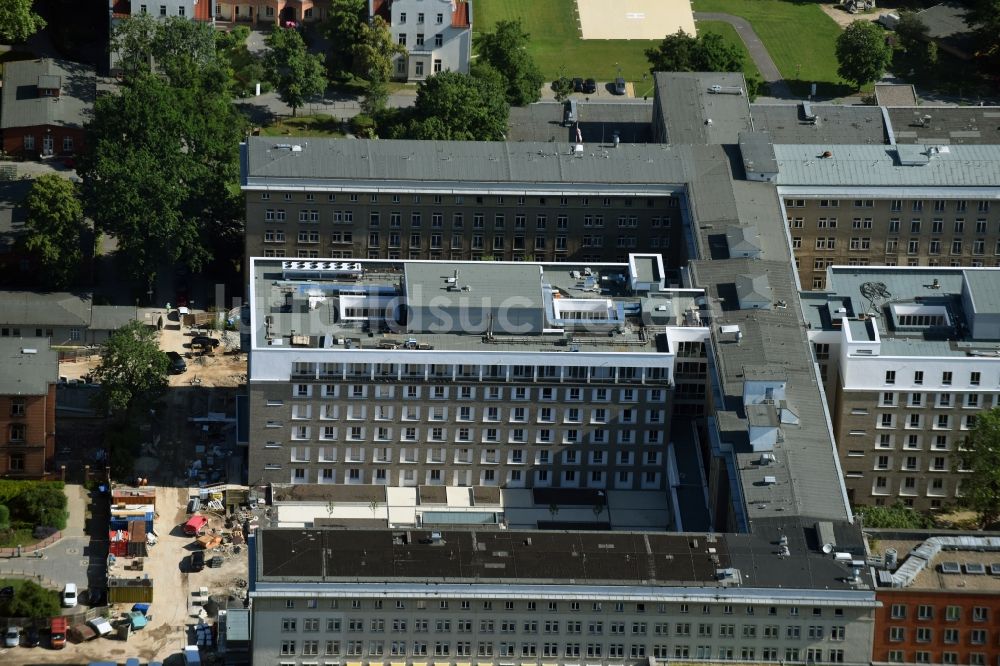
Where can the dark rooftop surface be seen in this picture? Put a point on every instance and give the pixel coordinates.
(598, 122)
(946, 125)
(834, 124)
(554, 557)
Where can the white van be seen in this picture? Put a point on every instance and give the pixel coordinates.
(69, 595)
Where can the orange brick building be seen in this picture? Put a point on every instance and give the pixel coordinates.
(949, 612)
(29, 370)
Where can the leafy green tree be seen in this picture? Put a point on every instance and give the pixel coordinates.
(246, 67)
(562, 86)
(980, 453)
(505, 49)
(459, 107)
(4, 517)
(374, 53)
(162, 183)
(33, 601)
(343, 26)
(178, 47)
(862, 53)
(296, 74)
(984, 17)
(54, 226)
(41, 505)
(17, 21)
(897, 516)
(132, 371)
(707, 52)
(911, 31)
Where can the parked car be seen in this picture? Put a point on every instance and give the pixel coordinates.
(619, 88)
(194, 505)
(12, 636)
(590, 86)
(578, 85)
(197, 560)
(204, 341)
(31, 638)
(177, 363)
(57, 633)
(69, 595)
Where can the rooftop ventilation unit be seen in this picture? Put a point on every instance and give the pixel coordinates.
(950, 568)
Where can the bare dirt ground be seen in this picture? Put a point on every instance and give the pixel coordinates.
(217, 369)
(167, 564)
(844, 18)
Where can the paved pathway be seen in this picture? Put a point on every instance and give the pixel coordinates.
(755, 47)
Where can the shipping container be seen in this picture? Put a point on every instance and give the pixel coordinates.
(118, 543)
(130, 590)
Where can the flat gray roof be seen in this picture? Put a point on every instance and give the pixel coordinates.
(598, 122)
(985, 288)
(27, 366)
(22, 107)
(879, 166)
(690, 114)
(835, 123)
(451, 165)
(758, 155)
(946, 125)
(29, 308)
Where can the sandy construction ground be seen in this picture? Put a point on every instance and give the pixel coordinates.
(170, 623)
(634, 19)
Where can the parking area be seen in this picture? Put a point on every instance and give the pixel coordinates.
(182, 598)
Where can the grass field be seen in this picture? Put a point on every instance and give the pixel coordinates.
(316, 125)
(798, 35)
(555, 43)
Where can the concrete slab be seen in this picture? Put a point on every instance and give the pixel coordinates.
(634, 19)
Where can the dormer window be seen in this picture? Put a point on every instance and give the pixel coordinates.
(49, 85)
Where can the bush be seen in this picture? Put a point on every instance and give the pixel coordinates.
(33, 601)
(897, 516)
(43, 532)
(34, 503)
(363, 126)
(4, 517)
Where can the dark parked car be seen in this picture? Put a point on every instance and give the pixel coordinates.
(31, 638)
(197, 560)
(177, 363)
(577, 85)
(205, 341)
(590, 86)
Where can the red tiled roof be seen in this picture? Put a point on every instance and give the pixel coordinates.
(381, 8)
(460, 17)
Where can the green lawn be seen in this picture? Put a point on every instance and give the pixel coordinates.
(798, 35)
(316, 125)
(555, 43)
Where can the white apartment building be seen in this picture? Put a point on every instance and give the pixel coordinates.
(909, 359)
(437, 35)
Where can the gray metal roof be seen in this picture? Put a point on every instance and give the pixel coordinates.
(743, 239)
(875, 166)
(984, 286)
(27, 366)
(111, 317)
(598, 122)
(753, 288)
(757, 153)
(450, 165)
(22, 107)
(835, 123)
(690, 114)
(28, 308)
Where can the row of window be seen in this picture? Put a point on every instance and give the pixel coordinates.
(556, 649)
(478, 255)
(459, 200)
(592, 627)
(860, 223)
(383, 455)
(949, 636)
(926, 612)
(468, 414)
(924, 657)
(490, 373)
(892, 246)
(437, 242)
(520, 220)
(896, 205)
(620, 480)
(947, 377)
(922, 421)
(47, 143)
(541, 436)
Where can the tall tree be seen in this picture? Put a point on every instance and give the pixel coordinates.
(980, 453)
(984, 17)
(345, 20)
(459, 107)
(707, 52)
(177, 46)
(132, 371)
(162, 183)
(374, 53)
(911, 31)
(54, 228)
(17, 21)
(862, 53)
(505, 49)
(296, 74)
